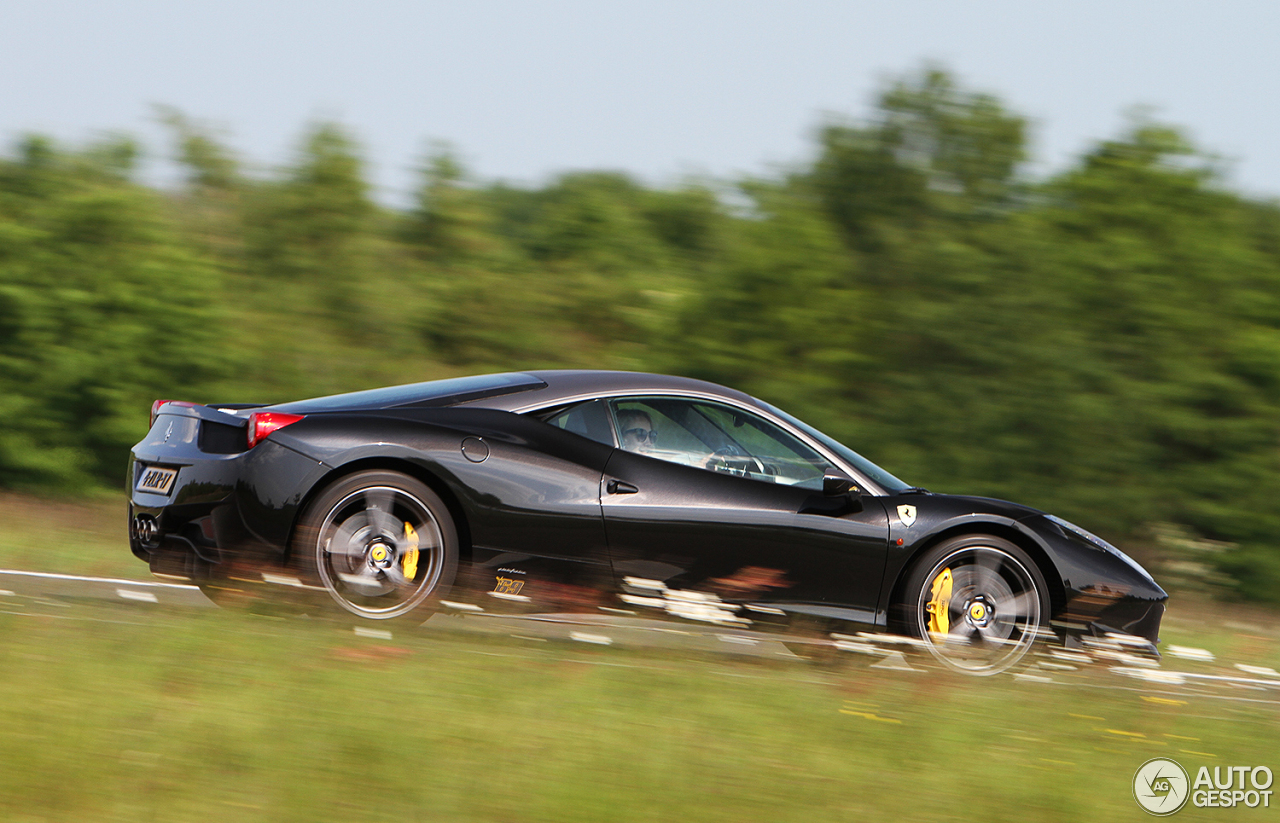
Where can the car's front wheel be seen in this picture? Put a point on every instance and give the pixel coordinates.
(978, 602)
(381, 543)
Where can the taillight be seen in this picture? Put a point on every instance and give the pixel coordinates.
(262, 424)
(155, 408)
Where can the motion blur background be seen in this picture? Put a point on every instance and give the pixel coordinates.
(943, 235)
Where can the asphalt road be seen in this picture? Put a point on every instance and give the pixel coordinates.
(32, 593)
(1184, 671)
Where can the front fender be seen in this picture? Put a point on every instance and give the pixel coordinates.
(927, 532)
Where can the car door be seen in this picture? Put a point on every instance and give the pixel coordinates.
(705, 497)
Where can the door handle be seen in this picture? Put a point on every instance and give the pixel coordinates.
(618, 487)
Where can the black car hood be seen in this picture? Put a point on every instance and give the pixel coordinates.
(976, 505)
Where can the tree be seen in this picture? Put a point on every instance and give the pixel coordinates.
(102, 310)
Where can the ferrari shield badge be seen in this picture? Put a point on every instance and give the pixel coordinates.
(907, 514)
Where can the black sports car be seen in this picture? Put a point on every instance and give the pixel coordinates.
(571, 490)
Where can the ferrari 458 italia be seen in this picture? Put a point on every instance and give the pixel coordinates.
(555, 491)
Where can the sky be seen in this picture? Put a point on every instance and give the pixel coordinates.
(664, 89)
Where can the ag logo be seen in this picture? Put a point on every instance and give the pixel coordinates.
(907, 514)
(1161, 786)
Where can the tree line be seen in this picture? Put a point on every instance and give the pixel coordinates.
(1104, 344)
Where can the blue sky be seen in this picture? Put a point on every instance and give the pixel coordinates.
(661, 89)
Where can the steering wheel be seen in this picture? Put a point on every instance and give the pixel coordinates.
(733, 460)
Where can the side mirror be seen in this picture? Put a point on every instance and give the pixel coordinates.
(836, 483)
(840, 496)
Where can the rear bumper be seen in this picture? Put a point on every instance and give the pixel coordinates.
(222, 510)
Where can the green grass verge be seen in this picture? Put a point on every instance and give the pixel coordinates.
(86, 537)
(224, 716)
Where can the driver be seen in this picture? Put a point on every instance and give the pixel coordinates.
(637, 431)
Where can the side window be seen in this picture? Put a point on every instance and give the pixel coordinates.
(652, 427)
(758, 444)
(590, 419)
(717, 438)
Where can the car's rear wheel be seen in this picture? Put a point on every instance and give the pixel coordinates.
(978, 602)
(381, 543)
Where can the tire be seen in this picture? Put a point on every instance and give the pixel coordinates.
(978, 602)
(381, 544)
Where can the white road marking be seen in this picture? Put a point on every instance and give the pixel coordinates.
(144, 597)
(281, 580)
(519, 598)
(462, 607)
(116, 580)
(892, 639)
(859, 648)
(598, 639)
(895, 661)
(376, 634)
(1191, 653)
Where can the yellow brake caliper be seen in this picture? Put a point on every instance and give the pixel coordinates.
(410, 560)
(939, 605)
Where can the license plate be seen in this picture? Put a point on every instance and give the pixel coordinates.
(156, 481)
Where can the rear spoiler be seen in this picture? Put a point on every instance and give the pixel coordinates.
(224, 414)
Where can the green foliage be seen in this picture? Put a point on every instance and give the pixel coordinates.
(208, 163)
(1104, 344)
(306, 225)
(933, 151)
(101, 311)
(963, 143)
(452, 222)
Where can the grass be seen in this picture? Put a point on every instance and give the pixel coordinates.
(117, 712)
(80, 537)
(230, 717)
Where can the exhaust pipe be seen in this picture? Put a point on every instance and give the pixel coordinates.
(146, 531)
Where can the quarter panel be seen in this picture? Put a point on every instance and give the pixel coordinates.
(534, 491)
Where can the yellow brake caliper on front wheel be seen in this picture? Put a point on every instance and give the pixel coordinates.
(939, 605)
(410, 559)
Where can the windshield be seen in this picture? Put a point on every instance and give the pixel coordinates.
(862, 464)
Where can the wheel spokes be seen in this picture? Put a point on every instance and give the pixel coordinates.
(395, 576)
(992, 611)
(1018, 608)
(378, 505)
(989, 562)
(345, 541)
(381, 557)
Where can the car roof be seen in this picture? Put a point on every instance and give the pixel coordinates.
(515, 391)
(568, 385)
